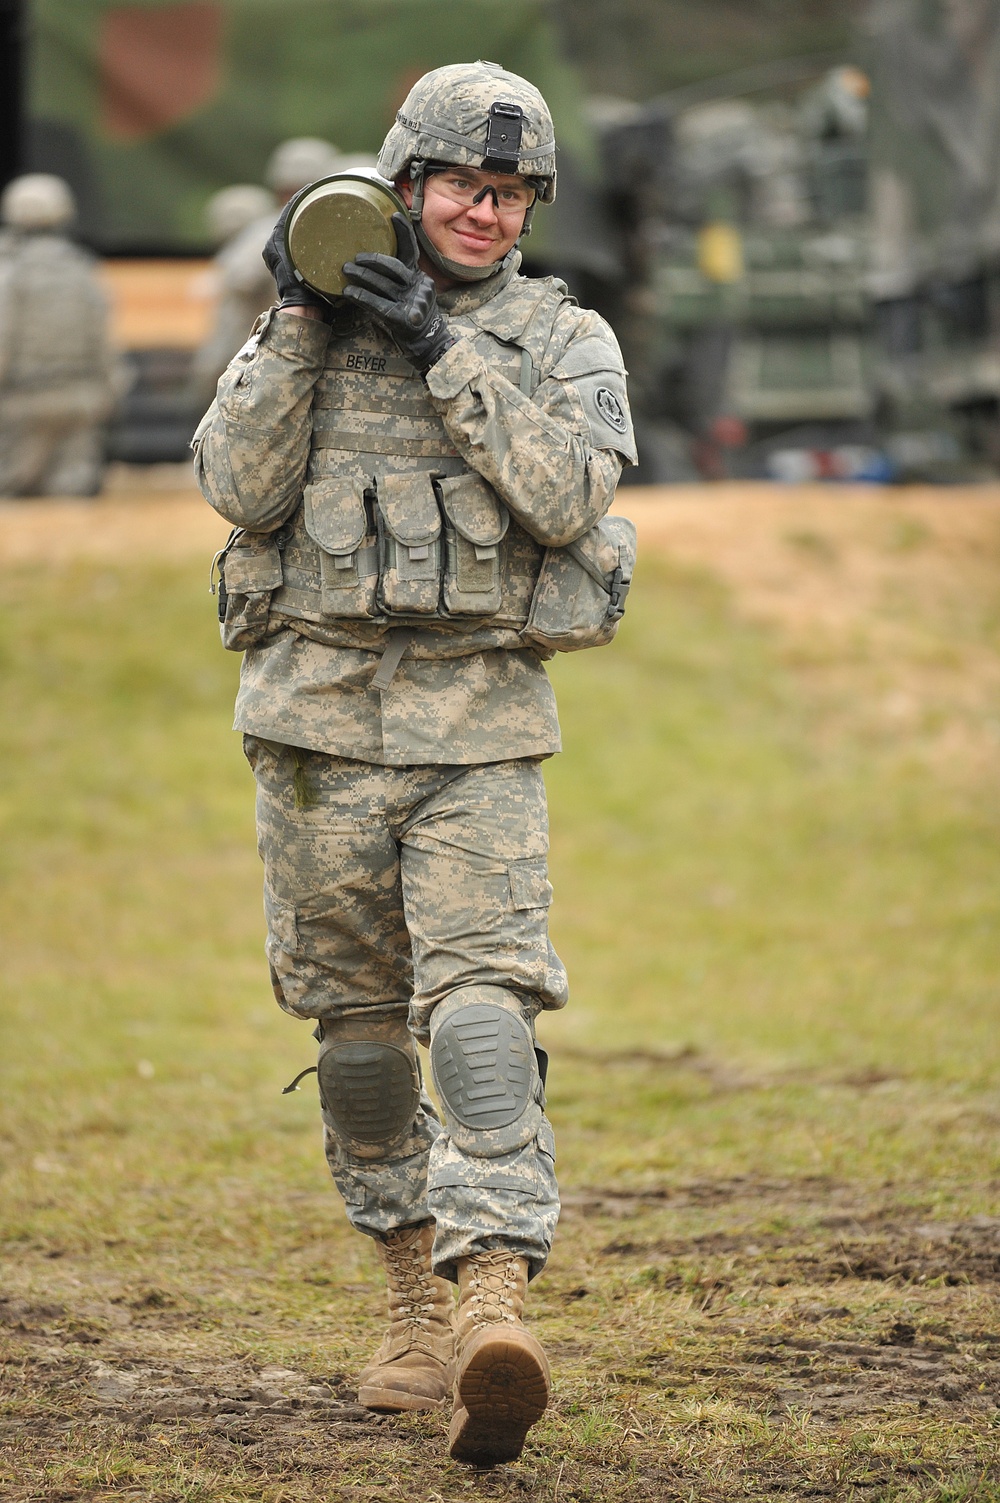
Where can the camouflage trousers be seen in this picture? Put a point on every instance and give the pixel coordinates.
(387, 891)
(42, 456)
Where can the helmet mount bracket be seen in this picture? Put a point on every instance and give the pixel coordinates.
(504, 126)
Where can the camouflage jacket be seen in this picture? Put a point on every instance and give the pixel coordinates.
(524, 450)
(53, 329)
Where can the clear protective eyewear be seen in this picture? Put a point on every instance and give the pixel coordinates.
(468, 187)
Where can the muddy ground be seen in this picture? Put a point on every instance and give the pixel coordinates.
(855, 1314)
(714, 1338)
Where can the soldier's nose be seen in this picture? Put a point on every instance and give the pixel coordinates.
(484, 212)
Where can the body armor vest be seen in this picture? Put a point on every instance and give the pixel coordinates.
(394, 528)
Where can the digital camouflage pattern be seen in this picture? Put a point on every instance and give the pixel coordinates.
(58, 374)
(294, 689)
(305, 408)
(388, 890)
(403, 826)
(444, 118)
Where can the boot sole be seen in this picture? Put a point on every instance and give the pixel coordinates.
(502, 1390)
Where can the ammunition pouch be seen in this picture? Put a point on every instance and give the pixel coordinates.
(249, 573)
(579, 597)
(337, 515)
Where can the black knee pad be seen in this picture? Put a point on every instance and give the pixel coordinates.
(369, 1082)
(486, 1072)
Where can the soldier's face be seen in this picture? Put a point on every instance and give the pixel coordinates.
(474, 234)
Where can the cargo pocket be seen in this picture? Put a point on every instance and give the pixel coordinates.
(336, 518)
(529, 884)
(410, 542)
(476, 521)
(579, 597)
(249, 573)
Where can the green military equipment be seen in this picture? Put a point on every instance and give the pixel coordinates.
(798, 317)
(331, 221)
(148, 109)
(935, 162)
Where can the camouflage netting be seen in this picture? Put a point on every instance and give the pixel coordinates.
(147, 110)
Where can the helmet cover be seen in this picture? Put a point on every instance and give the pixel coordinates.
(37, 201)
(474, 115)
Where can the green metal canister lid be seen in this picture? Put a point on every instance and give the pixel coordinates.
(332, 220)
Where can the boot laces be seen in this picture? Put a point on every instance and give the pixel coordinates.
(410, 1281)
(492, 1277)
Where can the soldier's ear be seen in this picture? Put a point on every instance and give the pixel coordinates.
(405, 190)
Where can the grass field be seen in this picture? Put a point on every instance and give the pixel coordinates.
(777, 871)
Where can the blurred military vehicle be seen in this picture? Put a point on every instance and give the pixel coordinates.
(750, 321)
(935, 156)
(814, 256)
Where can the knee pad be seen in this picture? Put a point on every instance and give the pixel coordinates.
(485, 1070)
(369, 1082)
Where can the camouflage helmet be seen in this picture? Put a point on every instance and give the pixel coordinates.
(299, 161)
(37, 201)
(474, 115)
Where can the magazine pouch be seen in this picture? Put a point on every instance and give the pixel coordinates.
(475, 523)
(410, 545)
(336, 517)
(580, 595)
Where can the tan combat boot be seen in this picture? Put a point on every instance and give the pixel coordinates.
(414, 1367)
(502, 1386)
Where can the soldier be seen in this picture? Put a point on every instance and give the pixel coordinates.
(57, 370)
(421, 467)
(245, 286)
(228, 214)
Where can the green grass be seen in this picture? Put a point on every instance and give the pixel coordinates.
(774, 1087)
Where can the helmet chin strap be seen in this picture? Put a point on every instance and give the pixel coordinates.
(457, 270)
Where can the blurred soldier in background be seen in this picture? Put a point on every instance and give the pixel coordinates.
(228, 214)
(245, 286)
(57, 370)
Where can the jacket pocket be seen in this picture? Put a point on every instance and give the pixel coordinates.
(476, 521)
(249, 573)
(410, 545)
(579, 598)
(336, 517)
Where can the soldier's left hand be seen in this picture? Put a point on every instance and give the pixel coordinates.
(401, 298)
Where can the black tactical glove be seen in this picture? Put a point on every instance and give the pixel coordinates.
(401, 298)
(292, 293)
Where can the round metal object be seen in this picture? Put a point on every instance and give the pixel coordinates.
(332, 220)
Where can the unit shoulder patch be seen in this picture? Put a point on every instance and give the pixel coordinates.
(610, 409)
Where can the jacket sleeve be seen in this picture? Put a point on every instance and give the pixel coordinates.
(554, 457)
(252, 446)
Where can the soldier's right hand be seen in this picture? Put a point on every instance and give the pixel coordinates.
(292, 291)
